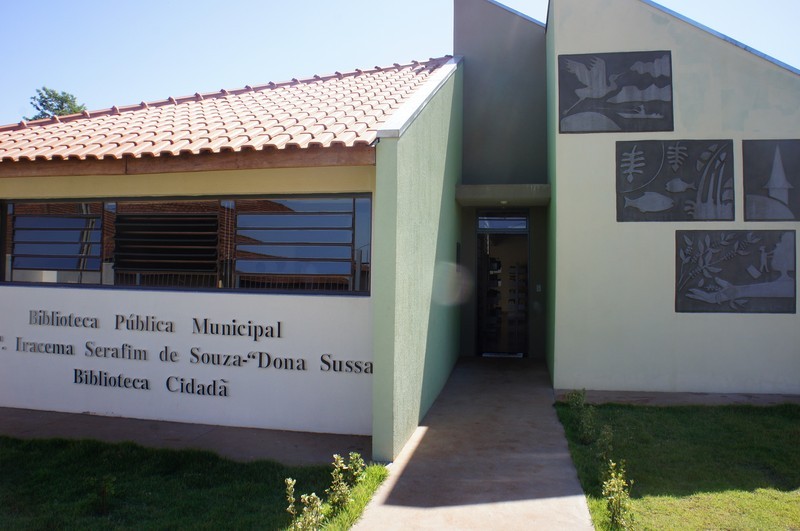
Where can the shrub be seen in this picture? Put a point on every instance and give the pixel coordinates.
(603, 444)
(355, 469)
(311, 518)
(290, 497)
(586, 417)
(103, 490)
(587, 425)
(344, 477)
(339, 491)
(616, 491)
(576, 399)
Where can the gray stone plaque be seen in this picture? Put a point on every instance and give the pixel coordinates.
(735, 271)
(623, 91)
(771, 180)
(675, 180)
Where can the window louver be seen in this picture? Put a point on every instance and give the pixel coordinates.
(166, 242)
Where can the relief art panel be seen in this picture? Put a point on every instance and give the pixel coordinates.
(771, 180)
(735, 271)
(608, 92)
(675, 180)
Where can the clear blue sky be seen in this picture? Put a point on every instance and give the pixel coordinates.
(120, 52)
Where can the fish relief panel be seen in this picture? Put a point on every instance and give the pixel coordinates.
(735, 271)
(675, 180)
(771, 180)
(606, 92)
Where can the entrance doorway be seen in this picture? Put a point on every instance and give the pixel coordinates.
(502, 285)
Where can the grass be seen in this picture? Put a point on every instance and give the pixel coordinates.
(361, 495)
(58, 484)
(729, 467)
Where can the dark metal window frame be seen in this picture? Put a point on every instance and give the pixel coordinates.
(226, 268)
(83, 244)
(169, 248)
(5, 243)
(495, 214)
(354, 264)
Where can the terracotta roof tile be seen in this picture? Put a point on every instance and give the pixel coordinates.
(322, 139)
(340, 109)
(214, 145)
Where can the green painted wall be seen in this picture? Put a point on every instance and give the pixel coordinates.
(504, 62)
(552, 128)
(505, 139)
(415, 236)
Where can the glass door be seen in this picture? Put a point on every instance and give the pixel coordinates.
(502, 285)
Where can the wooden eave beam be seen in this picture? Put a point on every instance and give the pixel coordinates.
(289, 157)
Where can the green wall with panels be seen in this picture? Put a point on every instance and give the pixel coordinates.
(415, 239)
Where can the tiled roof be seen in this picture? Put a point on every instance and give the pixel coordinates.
(343, 109)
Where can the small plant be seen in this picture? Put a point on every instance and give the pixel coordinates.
(339, 491)
(616, 491)
(603, 443)
(311, 517)
(586, 416)
(587, 425)
(355, 468)
(576, 399)
(290, 497)
(103, 490)
(344, 477)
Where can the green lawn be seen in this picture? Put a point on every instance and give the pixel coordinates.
(58, 484)
(729, 467)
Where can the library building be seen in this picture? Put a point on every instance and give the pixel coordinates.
(613, 193)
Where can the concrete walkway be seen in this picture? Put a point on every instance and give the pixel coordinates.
(490, 454)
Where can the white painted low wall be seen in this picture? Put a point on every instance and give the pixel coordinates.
(314, 373)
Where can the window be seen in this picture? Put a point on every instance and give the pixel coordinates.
(503, 223)
(55, 242)
(167, 243)
(315, 244)
(282, 244)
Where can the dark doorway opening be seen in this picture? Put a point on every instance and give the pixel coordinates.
(503, 285)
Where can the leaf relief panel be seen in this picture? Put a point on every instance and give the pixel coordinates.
(735, 271)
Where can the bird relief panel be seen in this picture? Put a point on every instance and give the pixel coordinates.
(675, 180)
(735, 271)
(607, 92)
(771, 180)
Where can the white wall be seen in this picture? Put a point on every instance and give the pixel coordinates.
(615, 320)
(304, 400)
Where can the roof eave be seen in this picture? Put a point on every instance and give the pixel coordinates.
(290, 157)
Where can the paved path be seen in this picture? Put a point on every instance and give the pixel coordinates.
(490, 454)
